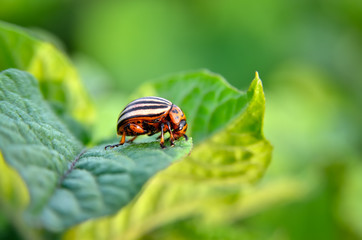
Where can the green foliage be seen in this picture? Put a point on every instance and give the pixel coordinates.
(58, 79)
(308, 54)
(225, 123)
(61, 183)
(66, 182)
(208, 101)
(230, 154)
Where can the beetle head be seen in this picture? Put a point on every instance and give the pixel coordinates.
(178, 121)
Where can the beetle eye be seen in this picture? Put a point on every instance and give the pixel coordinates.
(181, 125)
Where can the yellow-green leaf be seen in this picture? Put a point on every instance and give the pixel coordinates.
(58, 79)
(230, 154)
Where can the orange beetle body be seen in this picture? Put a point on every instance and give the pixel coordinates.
(150, 115)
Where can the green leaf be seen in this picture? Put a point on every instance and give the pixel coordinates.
(67, 183)
(207, 99)
(230, 155)
(225, 123)
(58, 79)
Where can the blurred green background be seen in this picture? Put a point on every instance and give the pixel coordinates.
(308, 54)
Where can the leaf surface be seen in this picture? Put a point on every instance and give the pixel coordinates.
(67, 183)
(230, 154)
(58, 79)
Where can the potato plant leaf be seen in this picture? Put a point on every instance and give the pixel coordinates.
(68, 183)
(58, 79)
(230, 154)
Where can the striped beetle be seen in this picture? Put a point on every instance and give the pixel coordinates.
(150, 115)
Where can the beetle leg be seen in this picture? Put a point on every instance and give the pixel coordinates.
(119, 144)
(111, 146)
(171, 135)
(123, 139)
(159, 137)
(162, 142)
(132, 139)
(186, 137)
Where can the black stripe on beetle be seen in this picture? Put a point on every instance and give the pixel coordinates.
(148, 102)
(141, 116)
(146, 112)
(156, 98)
(151, 99)
(127, 110)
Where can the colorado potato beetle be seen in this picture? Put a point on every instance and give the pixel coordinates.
(150, 115)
